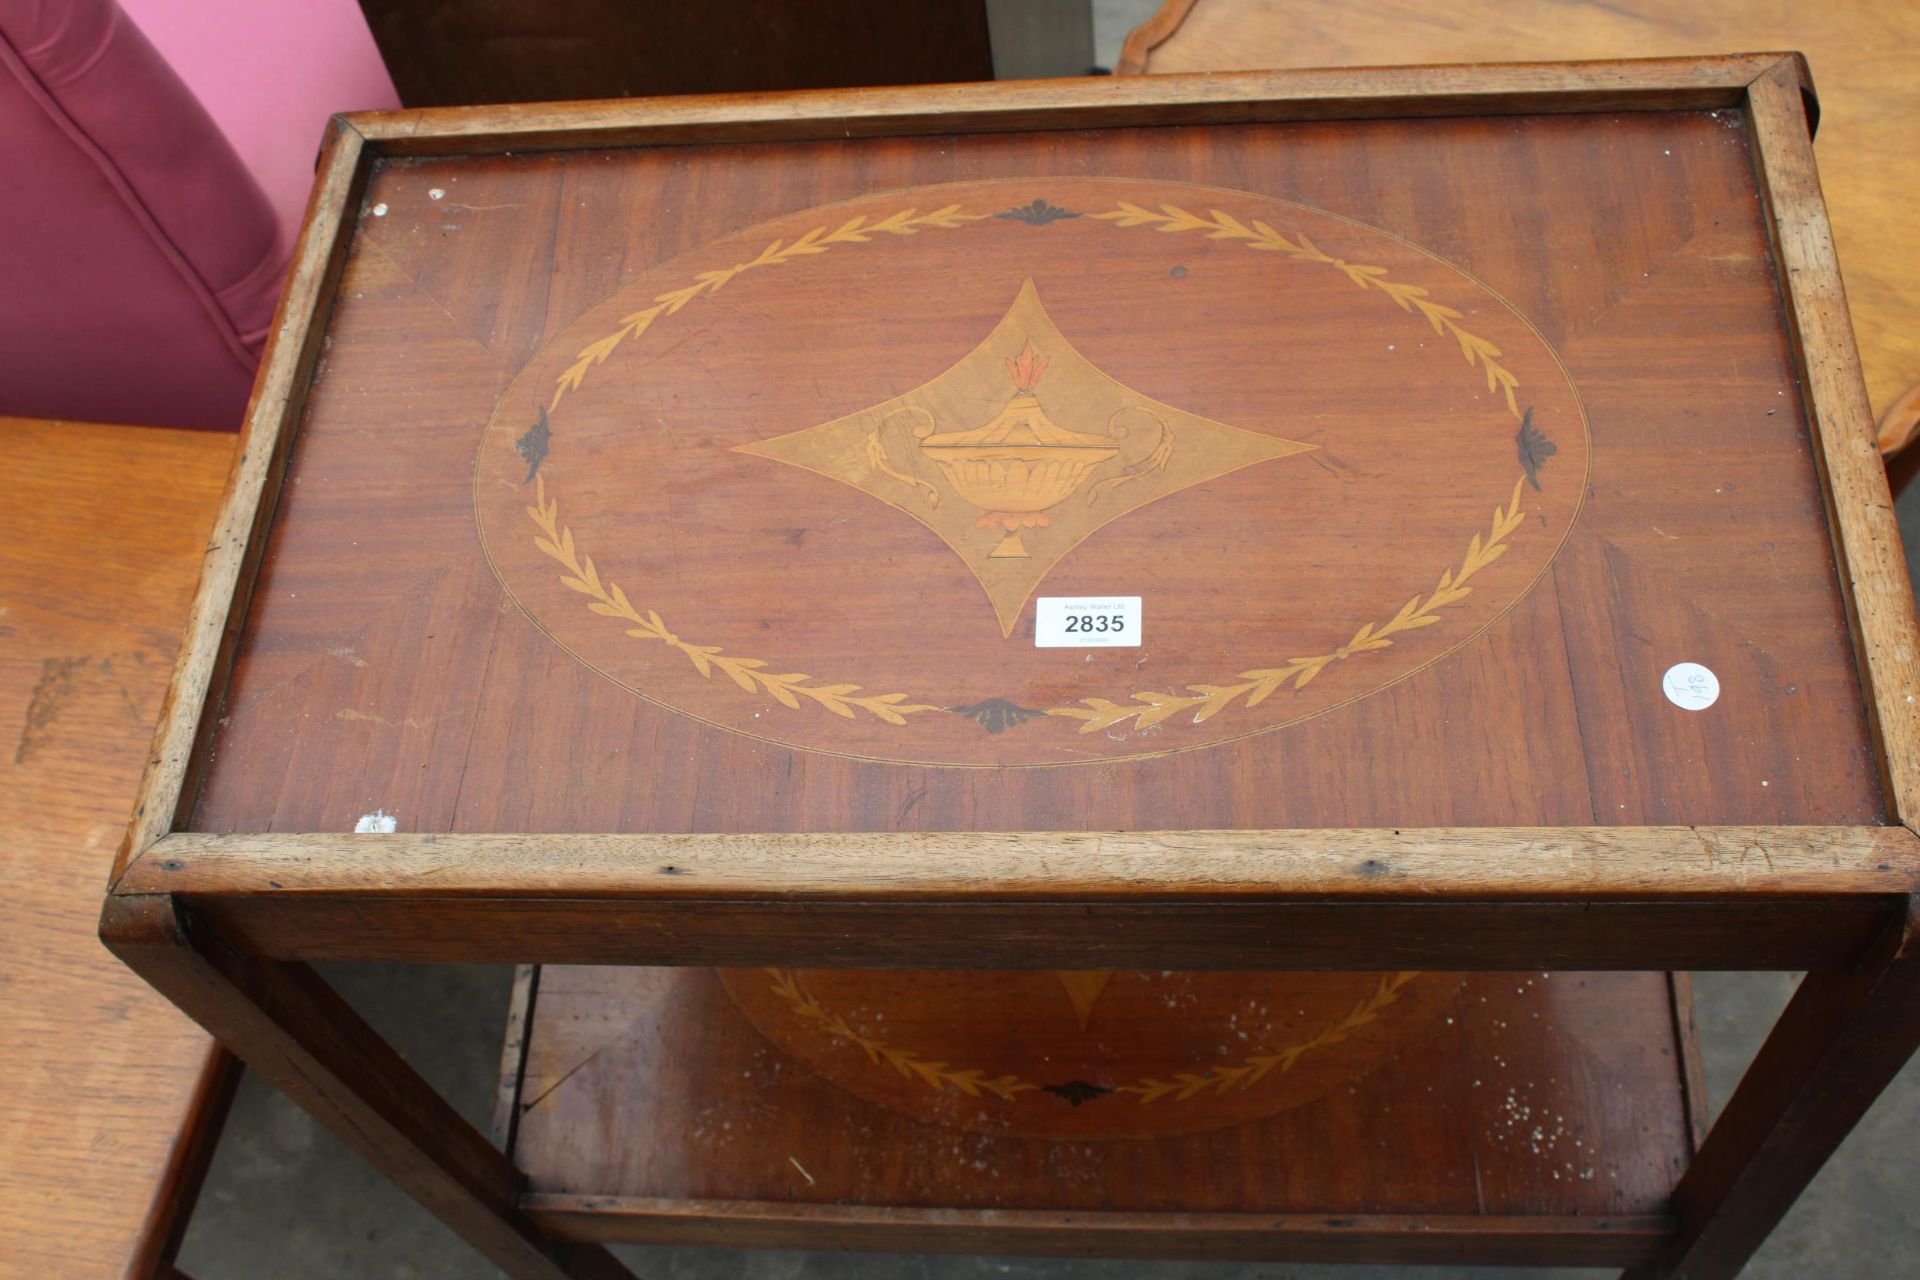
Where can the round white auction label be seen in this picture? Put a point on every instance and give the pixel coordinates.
(1690, 686)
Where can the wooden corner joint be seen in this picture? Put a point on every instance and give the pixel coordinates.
(346, 122)
(1789, 70)
(132, 851)
(124, 856)
(134, 923)
(138, 928)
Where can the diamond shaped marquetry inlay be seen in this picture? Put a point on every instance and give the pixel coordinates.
(1021, 451)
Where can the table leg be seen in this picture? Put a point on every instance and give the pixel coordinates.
(291, 1027)
(1842, 1038)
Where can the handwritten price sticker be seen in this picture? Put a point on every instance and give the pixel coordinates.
(1690, 686)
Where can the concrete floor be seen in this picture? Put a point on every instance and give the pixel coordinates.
(287, 1201)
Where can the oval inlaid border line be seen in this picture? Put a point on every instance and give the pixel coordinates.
(1146, 708)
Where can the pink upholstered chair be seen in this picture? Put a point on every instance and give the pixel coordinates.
(139, 259)
(270, 72)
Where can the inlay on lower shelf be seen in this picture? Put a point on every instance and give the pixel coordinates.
(912, 1110)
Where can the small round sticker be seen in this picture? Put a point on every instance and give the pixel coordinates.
(1690, 686)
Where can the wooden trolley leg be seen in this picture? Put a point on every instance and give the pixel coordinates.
(291, 1027)
(1842, 1038)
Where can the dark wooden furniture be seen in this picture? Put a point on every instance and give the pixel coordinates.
(462, 52)
(114, 1099)
(1866, 144)
(637, 541)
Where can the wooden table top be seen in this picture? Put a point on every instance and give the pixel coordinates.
(1860, 52)
(714, 488)
(100, 541)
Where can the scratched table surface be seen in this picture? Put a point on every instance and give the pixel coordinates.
(1425, 473)
(720, 488)
(101, 534)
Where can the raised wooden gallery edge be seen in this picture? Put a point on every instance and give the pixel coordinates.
(1650, 84)
(1595, 898)
(238, 540)
(1859, 506)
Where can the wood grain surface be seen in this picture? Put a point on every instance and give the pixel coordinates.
(1798, 897)
(771, 519)
(100, 538)
(1426, 864)
(1564, 1098)
(384, 670)
(1860, 51)
(1057, 933)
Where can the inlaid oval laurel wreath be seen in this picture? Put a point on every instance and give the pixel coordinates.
(1146, 708)
(975, 1082)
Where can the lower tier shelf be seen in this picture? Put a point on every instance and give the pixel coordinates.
(1493, 1118)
